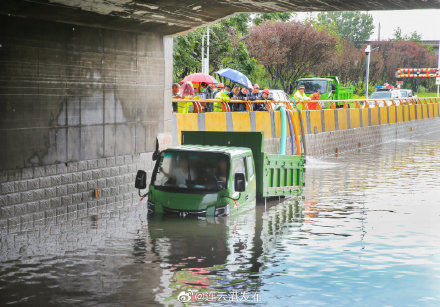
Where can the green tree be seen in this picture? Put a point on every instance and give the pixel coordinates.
(239, 22)
(281, 16)
(399, 36)
(187, 54)
(226, 48)
(289, 51)
(413, 37)
(353, 26)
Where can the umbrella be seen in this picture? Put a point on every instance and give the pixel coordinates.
(235, 76)
(199, 78)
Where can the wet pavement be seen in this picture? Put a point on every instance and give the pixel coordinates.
(367, 232)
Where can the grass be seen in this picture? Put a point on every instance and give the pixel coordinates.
(429, 94)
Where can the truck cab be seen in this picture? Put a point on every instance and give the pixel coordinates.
(324, 85)
(202, 180)
(329, 87)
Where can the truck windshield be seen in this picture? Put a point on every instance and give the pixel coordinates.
(380, 95)
(312, 85)
(191, 171)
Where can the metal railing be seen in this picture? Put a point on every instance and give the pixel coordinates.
(199, 104)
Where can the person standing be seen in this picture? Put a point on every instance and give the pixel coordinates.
(316, 95)
(235, 92)
(210, 92)
(222, 95)
(234, 95)
(314, 103)
(265, 95)
(242, 95)
(255, 95)
(186, 92)
(175, 94)
(202, 91)
(300, 97)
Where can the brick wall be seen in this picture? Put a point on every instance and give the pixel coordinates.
(33, 194)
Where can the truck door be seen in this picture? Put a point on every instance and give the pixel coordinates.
(251, 187)
(238, 166)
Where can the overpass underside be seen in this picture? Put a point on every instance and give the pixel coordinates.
(85, 88)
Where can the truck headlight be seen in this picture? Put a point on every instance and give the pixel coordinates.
(222, 211)
(150, 207)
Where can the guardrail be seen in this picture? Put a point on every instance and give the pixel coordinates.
(312, 105)
(315, 121)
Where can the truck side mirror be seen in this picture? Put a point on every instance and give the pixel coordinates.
(333, 87)
(156, 153)
(141, 180)
(240, 182)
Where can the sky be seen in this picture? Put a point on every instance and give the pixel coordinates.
(424, 22)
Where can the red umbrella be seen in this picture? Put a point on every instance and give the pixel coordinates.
(199, 78)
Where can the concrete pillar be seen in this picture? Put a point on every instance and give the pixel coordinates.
(79, 108)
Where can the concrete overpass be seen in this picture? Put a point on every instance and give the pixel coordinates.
(85, 88)
(172, 16)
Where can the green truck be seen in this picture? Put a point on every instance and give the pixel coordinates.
(219, 173)
(330, 89)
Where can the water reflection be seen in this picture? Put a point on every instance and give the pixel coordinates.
(218, 255)
(366, 233)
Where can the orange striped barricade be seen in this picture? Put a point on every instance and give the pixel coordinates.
(225, 107)
(288, 105)
(269, 106)
(249, 106)
(197, 107)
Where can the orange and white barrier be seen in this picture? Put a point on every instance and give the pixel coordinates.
(418, 72)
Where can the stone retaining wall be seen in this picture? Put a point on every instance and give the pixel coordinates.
(332, 142)
(29, 195)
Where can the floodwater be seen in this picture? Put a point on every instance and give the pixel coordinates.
(366, 233)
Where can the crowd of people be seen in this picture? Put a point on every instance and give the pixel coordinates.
(224, 93)
(221, 92)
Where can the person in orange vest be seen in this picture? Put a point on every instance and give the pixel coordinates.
(313, 104)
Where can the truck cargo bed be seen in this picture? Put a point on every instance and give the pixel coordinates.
(277, 175)
(282, 175)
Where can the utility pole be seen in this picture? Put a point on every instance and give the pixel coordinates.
(205, 52)
(207, 49)
(368, 50)
(378, 33)
(438, 71)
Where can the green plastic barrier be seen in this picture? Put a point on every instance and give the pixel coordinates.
(283, 131)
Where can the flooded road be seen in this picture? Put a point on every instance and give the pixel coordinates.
(367, 232)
